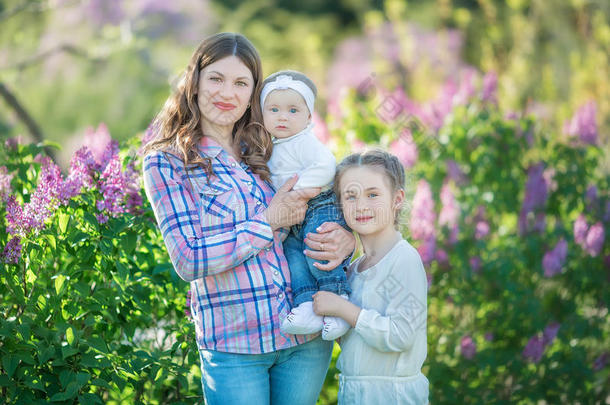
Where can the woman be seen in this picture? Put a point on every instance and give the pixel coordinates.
(207, 180)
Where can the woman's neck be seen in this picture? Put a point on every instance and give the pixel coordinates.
(223, 135)
(376, 246)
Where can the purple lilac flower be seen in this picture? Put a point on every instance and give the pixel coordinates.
(536, 193)
(82, 166)
(450, 211)
(481, 230)
(442, 257)
(534, 349)
(11, 143)
(113, 187)
(320, 128)
(583, 124)
(580, 230)
(426, 250)
(132, 179)
(490, 87)
(102, 12)
(455, 173)
(591, 197)
(601, 361)
(489, 336)
(14, 216)
(466, 88)
(549, 333)
(595, 239)
(5, 183)
(405, 149)
(98, 140)
(475, 264)
(554, 260)
(468, 347)
(12, 250)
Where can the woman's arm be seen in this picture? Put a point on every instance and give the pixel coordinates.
(332, 242)
(193, 252)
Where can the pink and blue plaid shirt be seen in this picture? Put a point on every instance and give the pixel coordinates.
(219, 240)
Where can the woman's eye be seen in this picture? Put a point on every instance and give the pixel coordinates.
(242, 84)
(293, 110)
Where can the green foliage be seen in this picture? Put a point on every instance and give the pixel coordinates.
(92, 312)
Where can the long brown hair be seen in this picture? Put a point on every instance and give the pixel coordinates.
(178, 125)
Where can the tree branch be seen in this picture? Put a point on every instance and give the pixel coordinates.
(25, 117)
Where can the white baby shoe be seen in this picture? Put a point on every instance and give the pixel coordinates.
(334, 326)
(302, 320)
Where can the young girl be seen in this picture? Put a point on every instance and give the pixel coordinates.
(382, 356)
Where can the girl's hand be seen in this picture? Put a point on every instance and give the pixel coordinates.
(288, 206)
(327, 303)
(330, 304)
(331, 242)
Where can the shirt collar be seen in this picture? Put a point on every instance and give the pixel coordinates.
(307, 129)
(209, 147)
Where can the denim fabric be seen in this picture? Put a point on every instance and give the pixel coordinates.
(305, 278)
(288, 376)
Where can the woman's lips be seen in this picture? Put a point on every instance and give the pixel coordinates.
(224, 106)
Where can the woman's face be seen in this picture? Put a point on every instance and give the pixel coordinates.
(225, 89)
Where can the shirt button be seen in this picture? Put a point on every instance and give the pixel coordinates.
(267, 249)
(281, 295)
(233, 164)
(276, 273)
(258, 203)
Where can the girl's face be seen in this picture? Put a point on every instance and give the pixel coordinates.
(285, 113)
(369, 204)
(225, 89)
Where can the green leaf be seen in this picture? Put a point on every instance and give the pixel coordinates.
(129, 241)
(70, 392)
(122, 269)
(59, 282)
(63, 220)
(70, 336)
(10, 363)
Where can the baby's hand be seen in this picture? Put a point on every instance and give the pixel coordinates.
(327, 303)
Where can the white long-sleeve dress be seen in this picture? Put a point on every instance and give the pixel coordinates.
(381, 358)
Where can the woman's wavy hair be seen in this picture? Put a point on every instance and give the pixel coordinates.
(177, 128)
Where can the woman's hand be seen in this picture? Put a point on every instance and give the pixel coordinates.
(330, 304)
(288, 207)
(331, 242)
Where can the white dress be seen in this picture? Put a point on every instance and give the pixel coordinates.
(381, 358)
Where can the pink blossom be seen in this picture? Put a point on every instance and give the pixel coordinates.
(595, 239)
(468, 347)
(405, 149)
(450, 211)
(426, 250)
(422, 221)
(82, 166)
(442, 257)
(583, 124)
(455, 173)
(11, 143)
(490, 87)
(554, 260)
(98, 140)
(320, 129)
(536, 193)
(481, 230)
(580, 230)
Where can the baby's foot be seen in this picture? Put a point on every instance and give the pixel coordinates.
(334, 327)
(302, 320)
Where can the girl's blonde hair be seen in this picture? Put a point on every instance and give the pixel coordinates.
(389, 164)
(178, 125)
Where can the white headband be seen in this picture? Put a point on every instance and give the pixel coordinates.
(283, 82)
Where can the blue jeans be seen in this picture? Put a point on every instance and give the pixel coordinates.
(285, 377)
(305, 278)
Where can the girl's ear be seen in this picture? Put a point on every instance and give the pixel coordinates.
(399, 198)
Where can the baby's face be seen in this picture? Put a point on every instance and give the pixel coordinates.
(285, 113)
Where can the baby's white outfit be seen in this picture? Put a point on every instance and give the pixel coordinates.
(305, 155)
(381, 358)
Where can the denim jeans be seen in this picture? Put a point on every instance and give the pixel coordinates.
(291, 376)
(305, 278)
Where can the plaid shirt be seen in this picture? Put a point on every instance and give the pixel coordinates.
(219, 240)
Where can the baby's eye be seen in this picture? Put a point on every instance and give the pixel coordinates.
(274, 109)
(293, 110)
(372, 195)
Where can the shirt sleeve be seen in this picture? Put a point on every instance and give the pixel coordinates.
(193, 253)
(319, 163)
(395, 331)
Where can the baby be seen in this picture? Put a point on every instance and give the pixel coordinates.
(287, 100)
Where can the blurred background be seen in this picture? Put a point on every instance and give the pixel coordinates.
(69, 65)
(500, 111)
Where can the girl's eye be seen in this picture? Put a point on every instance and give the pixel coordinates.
(293, 110)
(274, 109)
(215, 79)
